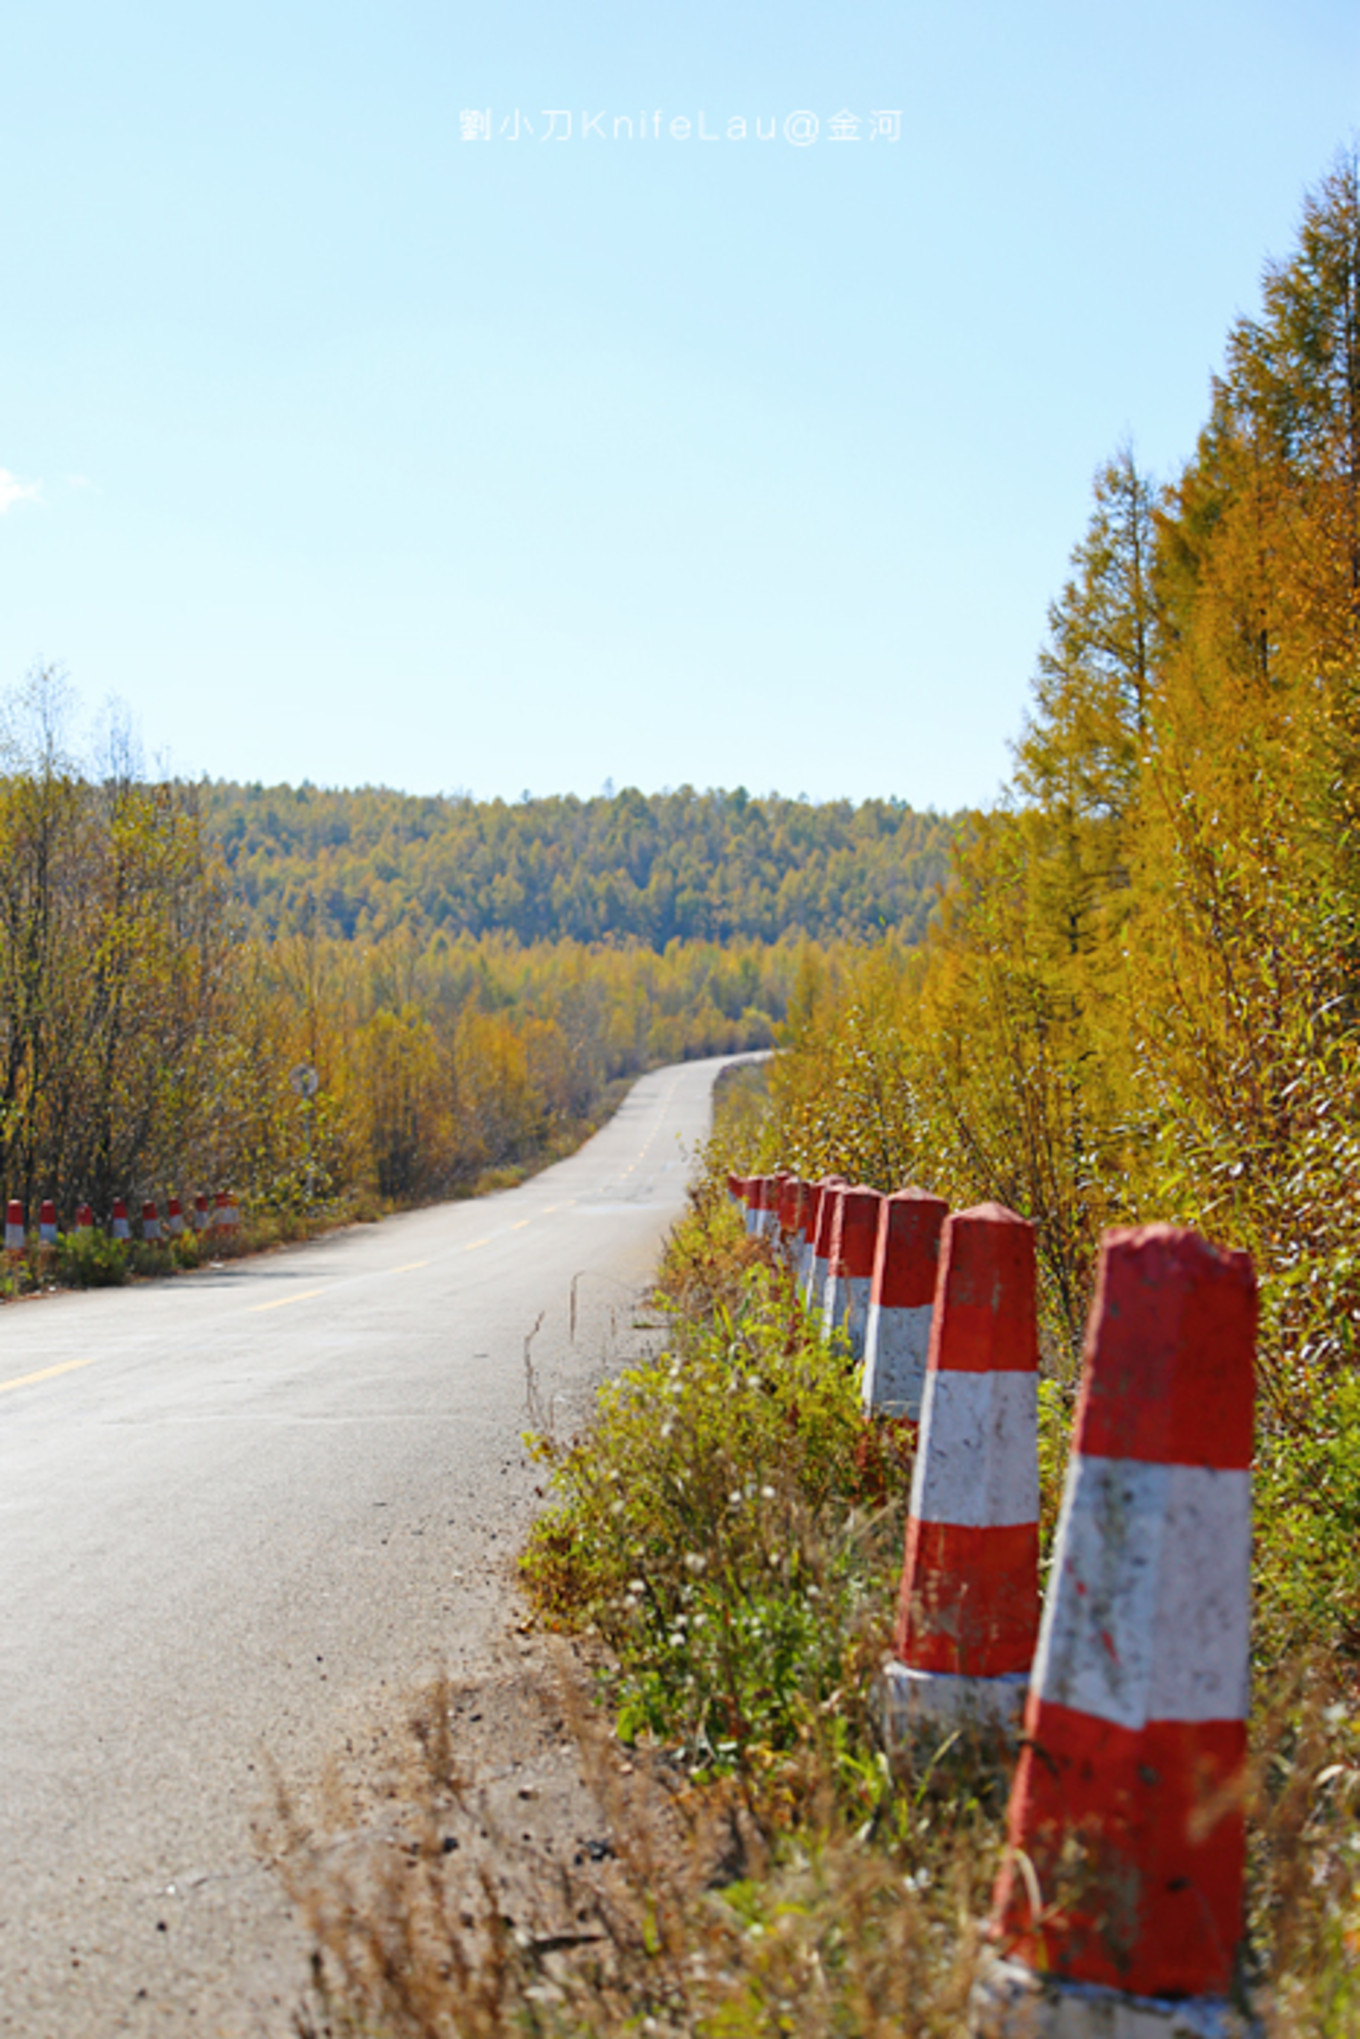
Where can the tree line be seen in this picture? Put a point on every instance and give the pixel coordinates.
(1141, 998)
(149, 1026)
(626, 867)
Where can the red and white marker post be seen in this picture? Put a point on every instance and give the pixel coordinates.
(902, 1302)
(774, 1192)
(792, 1222)
(202, 1215)
(813, 1192)
(850, 1265)
(968, 1618)
(15, 1240)
(174, 1217)
(47, 1223)
(151, 1224)
(1126, 1815)
(120, 1227)
(814, 1288)
(84, 1218)
(812, 1210)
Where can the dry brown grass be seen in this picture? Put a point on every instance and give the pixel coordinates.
(709, 1913)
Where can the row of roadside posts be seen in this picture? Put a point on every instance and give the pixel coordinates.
(222, 1215)
(1119, 1907)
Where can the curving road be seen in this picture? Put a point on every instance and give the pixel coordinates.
(240, 1507)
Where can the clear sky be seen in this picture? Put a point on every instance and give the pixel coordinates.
(341, 447)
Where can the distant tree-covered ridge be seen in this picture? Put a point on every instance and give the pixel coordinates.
(647, 868)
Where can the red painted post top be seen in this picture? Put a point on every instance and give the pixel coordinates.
(856, 1232)
(984, 1300)
(1170, 1364)
(826, 1217)
(907, 1251)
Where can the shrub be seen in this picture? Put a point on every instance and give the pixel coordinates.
(731, 1524)
(91, 1260)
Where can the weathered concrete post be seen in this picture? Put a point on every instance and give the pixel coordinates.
(968, 1618)
(901, 1302)
(1119, 1910)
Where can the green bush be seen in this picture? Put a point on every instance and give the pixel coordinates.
(731, 1524)
(1307, 1512)
(91, 1260)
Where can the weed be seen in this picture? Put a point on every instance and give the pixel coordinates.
(91, 1260)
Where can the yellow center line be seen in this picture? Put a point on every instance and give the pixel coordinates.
(27, 1380)
(282, 1302)
(408, 1267)
(519, 1224)
(472, 1246)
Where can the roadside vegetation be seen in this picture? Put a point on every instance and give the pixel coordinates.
(725, 1542)
(1140, 999)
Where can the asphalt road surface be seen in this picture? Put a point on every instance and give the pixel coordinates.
(237, 1509)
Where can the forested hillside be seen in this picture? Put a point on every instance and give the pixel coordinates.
(683, 866)
(146, 1038)
(169, 953)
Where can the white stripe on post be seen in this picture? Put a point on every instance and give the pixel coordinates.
(1163, 1633)
(973, 1475)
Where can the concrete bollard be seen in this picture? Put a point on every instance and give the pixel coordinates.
(901, 1302)
(792, 1192)
(84, 1218)
(226, 1215)
(755, 1205)
(1119, 1909)
(151, 1224)
(174, 1217)
(120, 1227)
(813, 1192)
(815, 1286)
(850, 1265)
(968, 1617)
(15, 1241)
(47, 1223)
(202, 1216)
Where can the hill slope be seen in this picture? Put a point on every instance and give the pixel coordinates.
(652, 868)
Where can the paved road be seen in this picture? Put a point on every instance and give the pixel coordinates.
(235, 1510)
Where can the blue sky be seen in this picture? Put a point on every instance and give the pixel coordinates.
(342, 448)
